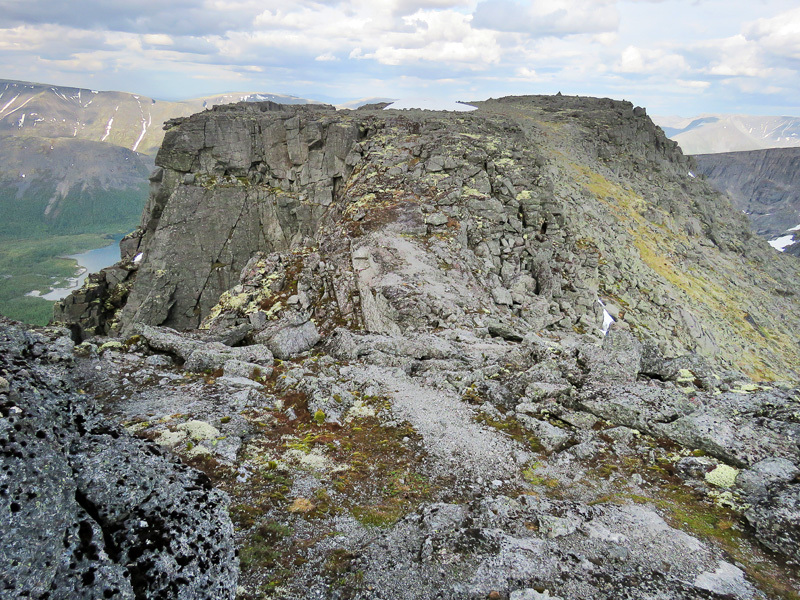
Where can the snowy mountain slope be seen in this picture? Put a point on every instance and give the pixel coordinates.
(710, 134)
(128, 120)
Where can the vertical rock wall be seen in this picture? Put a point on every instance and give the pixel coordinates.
(226, 187)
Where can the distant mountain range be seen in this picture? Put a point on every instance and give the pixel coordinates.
(709, 134)
(119, 118)
(765, 184)
(753, 159)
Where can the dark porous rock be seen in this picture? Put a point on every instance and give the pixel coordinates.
(776, 519)
(87, 510)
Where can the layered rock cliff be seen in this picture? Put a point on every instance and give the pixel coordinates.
(381, 333)
(763, 183)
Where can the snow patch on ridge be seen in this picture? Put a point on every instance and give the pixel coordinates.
(608, 320)
(108, 129)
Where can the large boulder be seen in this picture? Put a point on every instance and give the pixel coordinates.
(90, 512)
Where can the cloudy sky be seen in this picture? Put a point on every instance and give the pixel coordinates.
(676, 57)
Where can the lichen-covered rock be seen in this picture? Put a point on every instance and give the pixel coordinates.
(290, 339)
(756, 480)
(90, 512)
(200, 356)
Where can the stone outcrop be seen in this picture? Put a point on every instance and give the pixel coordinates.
(88, 510)
(519, 215)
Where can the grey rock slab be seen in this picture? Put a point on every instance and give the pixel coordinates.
(726, 580)
(502, 296)
(436, 219)
(637, 406)
(552, 438)
(292, 340)
(776, 519)
(554, 527)
(741, 442)
(165, 339)
(501, 330)
(531, 594)
(757, 479)
(240, 368)
(214, 355)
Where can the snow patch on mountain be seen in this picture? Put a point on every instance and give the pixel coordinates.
(782, 242)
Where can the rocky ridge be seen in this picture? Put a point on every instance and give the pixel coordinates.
(522, 213)
(395, 360)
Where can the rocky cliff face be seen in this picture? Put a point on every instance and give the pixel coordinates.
(393, 354)
(522, 213)
(763, 183)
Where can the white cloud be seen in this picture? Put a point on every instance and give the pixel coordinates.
(157, 39)
(779, 35)
(733, 57)
(638, 49)
(527, 74)
(438, 37)
(651, 62)
(327, 57)
(548, 17)
(693, 84)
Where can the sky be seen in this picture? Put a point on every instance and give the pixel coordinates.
(675, 57)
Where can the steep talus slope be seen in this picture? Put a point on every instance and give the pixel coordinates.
(546, 204)
(677, 257)
(763, 183)
(393, 356)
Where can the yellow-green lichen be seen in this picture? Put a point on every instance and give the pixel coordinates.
(170, 438)
(723, 476)
(113, 345)
(199, 430)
